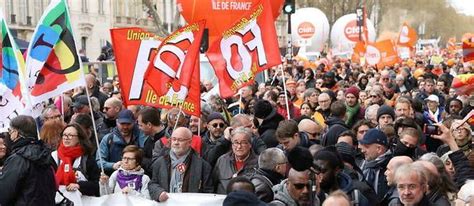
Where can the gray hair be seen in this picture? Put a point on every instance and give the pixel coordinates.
(48, 110)
(242, 130)
(271, 157)
(236, 121)
(408, 169)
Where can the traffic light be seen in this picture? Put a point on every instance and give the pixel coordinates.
(289, 7)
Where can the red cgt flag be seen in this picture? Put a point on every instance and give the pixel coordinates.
(244, 49)
(174, 71)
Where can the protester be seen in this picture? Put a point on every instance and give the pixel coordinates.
(272, 167)
(241, 160)
(4, 150)
(51, 133)
(412, 184)
(27, 176)
(180, 170)
(267, 120)
(288, 136)
(392, 197)
(129, 178)
(295, 190)
(76, 166)
(150, 124)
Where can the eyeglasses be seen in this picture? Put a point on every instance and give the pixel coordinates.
(128, 159)
(300, 186)
(316, 134)
(243, 143)
(174, 139)
(106, 108)
(54, 117)
(402, 187)
(69, 135)
(220, 125)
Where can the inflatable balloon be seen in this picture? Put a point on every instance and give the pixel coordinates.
(220, 14)
(345, 34)
(310, 29)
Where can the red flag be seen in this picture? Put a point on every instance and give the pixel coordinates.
(467, 51)
(133, 49)
(407, 36)
(246, 48)
(381, 54)
(174, 71)
(358, 51)
(463, 84)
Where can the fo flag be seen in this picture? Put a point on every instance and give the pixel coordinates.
(174, 70)
(52, 61)
(133, 49)
(12, 74)
(246, 48)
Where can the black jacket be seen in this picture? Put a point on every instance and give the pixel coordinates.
(336, 127)
(461, 165)
(27, 177)
(264, 180)
(148, 151)
(268, 128)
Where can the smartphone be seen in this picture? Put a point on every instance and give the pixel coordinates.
(431, 130)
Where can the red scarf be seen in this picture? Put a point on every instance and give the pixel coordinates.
(65, 173)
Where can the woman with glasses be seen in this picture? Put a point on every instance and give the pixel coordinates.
(130, 178)
(76, 166)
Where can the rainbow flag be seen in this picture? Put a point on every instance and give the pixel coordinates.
(53, 65)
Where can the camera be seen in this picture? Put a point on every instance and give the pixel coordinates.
(431, 130)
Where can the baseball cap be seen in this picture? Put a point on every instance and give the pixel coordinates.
(374, 136)
(125, 116)
(433, 98)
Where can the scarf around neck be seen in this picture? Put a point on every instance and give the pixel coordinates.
(130, 178)
(178, 168)
(65, 173)
(351, 112)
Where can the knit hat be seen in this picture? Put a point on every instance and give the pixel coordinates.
(263, 109)
(241, 198)
(352, 90)
(346, 152)
(374, 136)
(80, 101)
(215, 115)
(385, 109)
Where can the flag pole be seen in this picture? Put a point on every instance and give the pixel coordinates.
(199, 127)
(95, 130)
(286, 96)
(177, 117)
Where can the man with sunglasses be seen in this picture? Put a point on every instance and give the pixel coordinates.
(295, 190)
(112, 107)
(216, 124)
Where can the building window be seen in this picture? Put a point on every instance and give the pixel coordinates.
(83, 43)
(84, 6)
(101, 7)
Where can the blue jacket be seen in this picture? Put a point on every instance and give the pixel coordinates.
(112, 144)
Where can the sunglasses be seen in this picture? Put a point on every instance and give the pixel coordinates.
(106, 108)
(316, 134)
(301, 186)
(220, 125)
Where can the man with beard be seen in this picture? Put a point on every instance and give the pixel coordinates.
(374, 146)
(180, 170)
(112, 107)
(295, 190)
(195, 122)
(111, 147)
(454, 107)
(354, 111)
(403, 108)
(389, 93)
(385, 116)
(216, 126)
(330, 176)
(330, 81)
(408, 144)
(324, 101)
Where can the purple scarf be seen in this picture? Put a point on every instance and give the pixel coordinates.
(124, 178)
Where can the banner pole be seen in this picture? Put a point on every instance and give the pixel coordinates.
(177, 118)
(95, 131)
(286, 96)
(199, 127)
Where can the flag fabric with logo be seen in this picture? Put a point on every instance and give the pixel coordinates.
(247, 47)
(52, 62)
(12, 74)
(133, 49)
(407, 36)
(381, 54)
(467, 50)
(174, 72)
(463, 84)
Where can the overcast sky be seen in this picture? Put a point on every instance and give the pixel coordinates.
(464, 6)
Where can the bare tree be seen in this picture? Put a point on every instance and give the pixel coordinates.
(160, 30)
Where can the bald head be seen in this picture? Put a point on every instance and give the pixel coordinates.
(310, 127)
(393, 165)
(182, 132)
(241, 120)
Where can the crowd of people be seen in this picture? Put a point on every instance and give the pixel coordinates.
(336, 134)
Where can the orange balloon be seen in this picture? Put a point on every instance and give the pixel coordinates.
(221, 14)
